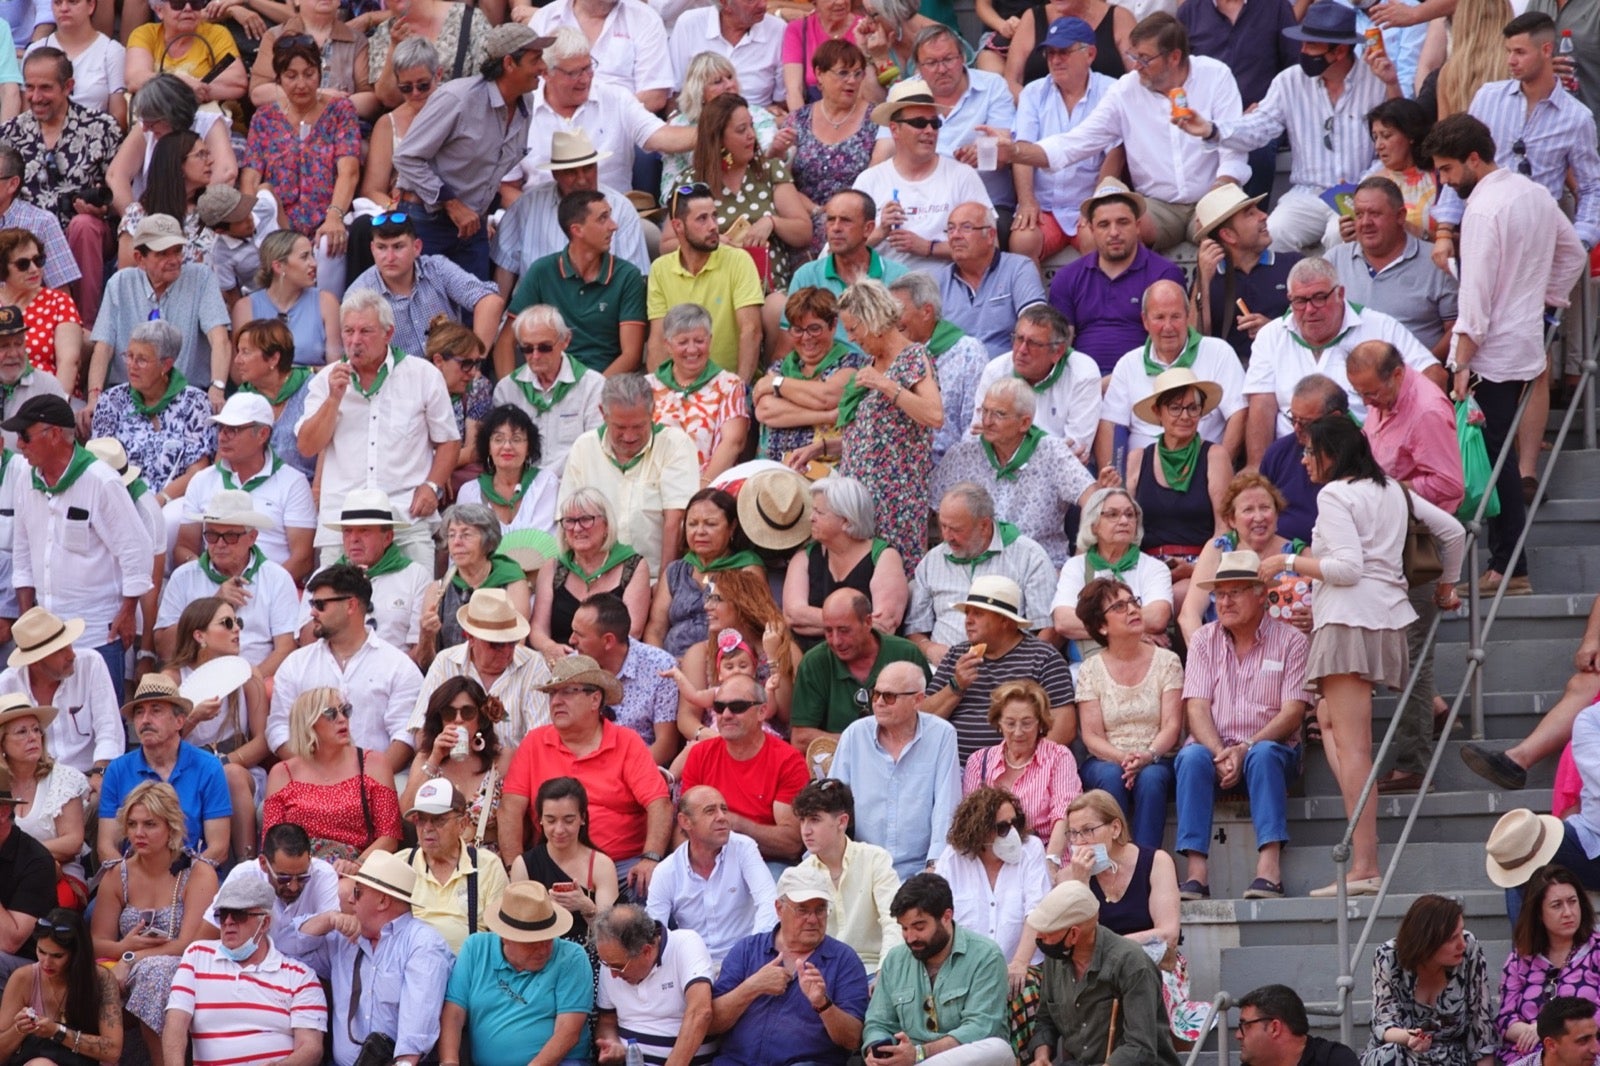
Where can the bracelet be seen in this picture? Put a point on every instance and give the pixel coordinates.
(898, 389)
(431, 771)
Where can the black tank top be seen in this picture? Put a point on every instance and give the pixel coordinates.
(1107, 56)
(822, 585)
(543, 869)
(563, 604)
(1131, 913)
(1175, 517)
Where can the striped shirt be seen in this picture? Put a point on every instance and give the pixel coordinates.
(245, 1014)
(1330, 140)
(651, 1012)
(1557, 135)
(1048, 781)
(1245, 694)
(1032, 659)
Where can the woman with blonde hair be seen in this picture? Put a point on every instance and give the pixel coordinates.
(591, 562)
(711, 74)
(152, 906)
(50, 794)
(1477, 53)
(342, 795)
(286, 290)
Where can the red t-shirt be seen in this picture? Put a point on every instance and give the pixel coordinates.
(777, 772)
(620, 777)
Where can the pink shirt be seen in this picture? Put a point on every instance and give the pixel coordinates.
(802, 38)
(1247, 693)
(1416, 442)
(1518, 254)
(1044, 788)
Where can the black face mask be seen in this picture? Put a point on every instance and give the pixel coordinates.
(1314, 66)
(1059, 950)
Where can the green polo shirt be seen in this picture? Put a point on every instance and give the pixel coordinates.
(725, 285)
(827, 695)
(968, 996)
(593, 310)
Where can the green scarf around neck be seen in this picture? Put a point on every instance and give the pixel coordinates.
(176, 383)
(292, 384)
(492, 495)
(1178, 464)
(392, 561)
(731, 561)
(82, 459)
(619, 554)
(665, 376)
(558, 391)
(1185, 360)
(792, 367)
(219, 578)
(1009, 470)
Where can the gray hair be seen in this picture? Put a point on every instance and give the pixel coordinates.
(629, 924)
(162, 337)
(1042, 314)
(870, 302)
(684, 318)
(166, 98)
(539, 315)
(894, 12)
(570, 43)
(369, 301)
(479, 517)
(626, 390)
(1324, 389)
(934, 33)
(415, 52)
(850, 500)
(702, 69)
(1091, 515)
(973, 496)
(584, 500)
(1313, 268)
(1024, 401)
(920, 288)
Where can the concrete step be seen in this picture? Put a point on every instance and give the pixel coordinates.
(1453, 775)
(1510, 665)
(1577, 475)
(1553, 612)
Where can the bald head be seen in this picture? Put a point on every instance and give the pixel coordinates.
(1380, 357)
(1163, 295)
(901, 677)
(703, 818)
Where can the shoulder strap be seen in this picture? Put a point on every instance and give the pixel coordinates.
(463, 41)
(983, 769)
(366, 807)
(472, 891)
(627, 572)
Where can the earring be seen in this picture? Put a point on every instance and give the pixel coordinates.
(727, 159)
(478, 743)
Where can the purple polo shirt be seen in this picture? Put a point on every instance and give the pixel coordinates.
(786, 1028)
(1105, 311)
(1239, 44)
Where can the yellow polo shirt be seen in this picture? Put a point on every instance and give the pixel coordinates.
(727, 282)
(444, 906)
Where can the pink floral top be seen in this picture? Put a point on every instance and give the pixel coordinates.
(703, 413)
(301, 170)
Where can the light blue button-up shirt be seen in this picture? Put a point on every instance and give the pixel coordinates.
(903, 805)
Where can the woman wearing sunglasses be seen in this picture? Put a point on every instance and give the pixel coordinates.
(55, 329)
(416, 73)
(342, 795)
(457, 353)
(181, 43)
(64, 993)
(233, 727)
(460, 744)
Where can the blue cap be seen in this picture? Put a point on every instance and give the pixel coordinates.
(1326, 24)
(1066, 32)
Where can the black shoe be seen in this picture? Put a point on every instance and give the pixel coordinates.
(1494, 766)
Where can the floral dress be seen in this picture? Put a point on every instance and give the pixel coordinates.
(47, 310)
(162, 446)
(447, 44)
(150, 978)
(301, 166)
(820, 170)
(753, 199)
(1463, 1012)
(703, 413)
(890, 453)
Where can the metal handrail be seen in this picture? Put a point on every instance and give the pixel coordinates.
(1583, 397)
(1220, 1003)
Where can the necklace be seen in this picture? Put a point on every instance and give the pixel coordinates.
(822, 109)
(1023, 765)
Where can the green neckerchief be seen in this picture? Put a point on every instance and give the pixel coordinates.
(945, 335)
(383, 373)
(298, 376)
(228, 482)
(256, 559)
(1009, 470)
(1097, 562)
(1191, 348)
(7, 390)
(176, 383)
(137, 488)
(1051, 378)
(393, 560)
(850, 400)
(731, 561)
(665, 376)
(82, 459)
(792, 367)
(619, 554)
(486, 486)
(629, 464)
(1008, 533)
(1318, 349)
(503, 571)
(1178, 463)
(558, 391)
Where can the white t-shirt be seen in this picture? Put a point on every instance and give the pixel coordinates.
(1149, 579)
(96, 71)
(654, 1007)
(270, 613)
(927, 203)
(757, 58)
(1215, 360)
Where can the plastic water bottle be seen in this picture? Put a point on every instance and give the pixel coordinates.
(634, 1056)
(1566, 49)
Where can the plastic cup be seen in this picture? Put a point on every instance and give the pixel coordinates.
(988, 152)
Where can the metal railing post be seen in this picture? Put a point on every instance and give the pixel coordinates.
(1475, 623)
(1216, 1014)
(1586, 351)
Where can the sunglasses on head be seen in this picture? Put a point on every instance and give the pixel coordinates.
(45, 927)
(391, 218)
(342, 710)
(692, 190)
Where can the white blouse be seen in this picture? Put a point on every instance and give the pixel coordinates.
(997, 911)
(60, 787)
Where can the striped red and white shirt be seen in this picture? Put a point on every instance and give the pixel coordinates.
(1247, 693)
(245, 1014)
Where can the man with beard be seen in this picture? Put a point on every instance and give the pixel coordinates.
(302, 884)
(1089, 970)
(1518, 255)
(943, 992)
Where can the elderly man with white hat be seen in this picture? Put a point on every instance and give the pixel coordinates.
(366, 526)
(387, 968)
(234, 569)
(46, 669)
(245, 462)
(520, 986)
(458, 886)
(1099, 993)
(1244, 697)
(495, 655)
(239, 997)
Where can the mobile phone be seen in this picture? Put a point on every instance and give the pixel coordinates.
(877, 1046)
(1428, 1026)
(564, 886)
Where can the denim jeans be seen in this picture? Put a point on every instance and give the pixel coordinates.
(116, 657)
(1268, 769)
(1146, 808)
(439, 237)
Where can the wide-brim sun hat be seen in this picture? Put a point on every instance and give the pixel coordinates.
(1179, 377)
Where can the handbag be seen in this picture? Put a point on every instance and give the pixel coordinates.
(1419, 557)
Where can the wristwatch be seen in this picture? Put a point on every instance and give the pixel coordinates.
(921, 1053)
(60, 1035)
(777, 385)
(128, 957)
(653, 856)
(438, 491)
(220, 384)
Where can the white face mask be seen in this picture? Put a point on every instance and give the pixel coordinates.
(1008, 848)
(245, 949)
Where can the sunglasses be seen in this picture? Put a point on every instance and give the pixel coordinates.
(421, 85)
(189, 5)
(236, 915)
(285, 880)
(320, 603)
(881, 695)
(542, 348)
(391, 218)
(213, 536)
(231, 622)
(458, 714)
(24, 262)
(1518, 149)
(692, 190)
(934, 122)
(330, 714)
(1001, 828)
(734, 706)
(45, 927)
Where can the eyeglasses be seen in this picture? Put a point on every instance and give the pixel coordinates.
(616, 968)
(735, 706)
(1086, 832)
(578, 72)
(391, 218)
(816, 329)
(44, 927)
(847, 73)
(421, 85)
(989, 414)
(945, 63)
(1001, 828)
(458, 714)
(693, 190)
(24, 262)
(231, 622)
(320, 603)
(1246, 1023)
(1140, 62)
(501, 439)
(1327, 133)
(1315, 299)
(1131, 605)
(579, 521)
(285, 880)
(1020, 341)
(881, 695)
(568, 692)
(541, 348)
(1518, 149)
(217, 536)
(923, 123)
(330, 714)
(965, 229)
(236, 915)
(1183, 410)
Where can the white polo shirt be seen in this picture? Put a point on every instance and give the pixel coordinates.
(517, 689)
(757, 57)
(735, 901)
(385, 442)
(576, 414)
(662, 480)
(614, 120)
(1215, 360)
(380, 681)
(270, 613)
(631, 51)
(283, 495)
(1068, 407)
(245, 1013)
(651, 1011)
(88, 728)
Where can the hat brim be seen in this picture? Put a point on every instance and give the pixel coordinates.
(342, 524)
(1299, 33)
(1249, 201)
(174, 699)
(609, 687)
(387, 889)
(1139, 205)
(46, 715)
(71, 630)
(1516, 876)
(250, 521)
(1210, 392)
(21, 421)
(573, 164)
(994, 608)
(1226, 577)
(885, 112)
(506, 930)
(516, 634)
(758, 528)
(160, 244)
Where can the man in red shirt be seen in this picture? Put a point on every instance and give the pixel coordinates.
(757, 772)
(630, 813)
